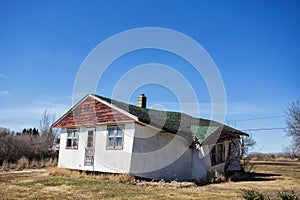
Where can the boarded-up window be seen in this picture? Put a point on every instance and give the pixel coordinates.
(72, 139)
(115, 137)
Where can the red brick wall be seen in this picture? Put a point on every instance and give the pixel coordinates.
(91, 111)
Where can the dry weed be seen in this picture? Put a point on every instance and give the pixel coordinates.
(22, 163)
(215, 177)
(5, 166)
(35, 164)
(117, 178)
(282, 159)
(55, 171)
(163, 184)
(51, 162)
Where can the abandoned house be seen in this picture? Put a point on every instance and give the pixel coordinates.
(105, 135)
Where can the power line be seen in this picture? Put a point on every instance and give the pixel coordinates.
(264, 129)
(257, 118)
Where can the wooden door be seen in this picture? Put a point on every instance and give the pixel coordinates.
(90, 147)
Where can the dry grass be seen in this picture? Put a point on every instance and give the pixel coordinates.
(283, 157)
(117, 178)
(24, 163)
(69, 184)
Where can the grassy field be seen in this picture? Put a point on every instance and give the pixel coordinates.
(269, 178)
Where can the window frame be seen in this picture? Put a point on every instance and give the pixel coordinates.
(217, 154)
(72, 138)
(115, 136)
(89, 137)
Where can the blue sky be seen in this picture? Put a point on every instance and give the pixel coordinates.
(255, 45)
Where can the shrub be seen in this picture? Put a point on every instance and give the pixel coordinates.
(253, 195)
(287, 196)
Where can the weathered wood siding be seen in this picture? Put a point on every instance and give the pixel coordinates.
(91, 111)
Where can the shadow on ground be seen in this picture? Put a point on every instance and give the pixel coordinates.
(253, 176)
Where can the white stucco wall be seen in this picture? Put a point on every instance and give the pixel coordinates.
(71, 158)
(115, 161)
(200, 163)
(160, 155)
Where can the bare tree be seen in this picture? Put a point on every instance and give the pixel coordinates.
(48, 134)
(293, 124)
(288, 152)
(29, 144)
(248, 144)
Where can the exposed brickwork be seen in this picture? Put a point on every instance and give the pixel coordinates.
(91, 111)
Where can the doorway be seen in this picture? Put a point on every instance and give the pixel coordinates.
(90, 147)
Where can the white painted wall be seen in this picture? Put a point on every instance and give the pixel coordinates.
(115, 161)
(71, 158)
(160, 155)
(200, 163)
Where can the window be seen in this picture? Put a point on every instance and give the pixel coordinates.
(220, 153)
(72, 139)
(217, 154)
(114, 137)
(89, 150)
(90, 141)
(213, 155)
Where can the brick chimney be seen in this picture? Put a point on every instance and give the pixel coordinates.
(142, 101)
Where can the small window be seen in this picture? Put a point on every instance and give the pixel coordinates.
(90, 142)
(72, 139)
(217, 154)
(115, 137)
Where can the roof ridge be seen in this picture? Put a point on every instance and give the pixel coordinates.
(167, 111)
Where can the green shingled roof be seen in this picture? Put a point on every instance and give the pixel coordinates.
(174, 122)
(203, 132)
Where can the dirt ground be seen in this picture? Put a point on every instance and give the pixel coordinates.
(268, 178)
